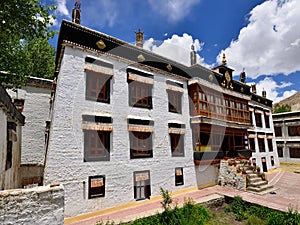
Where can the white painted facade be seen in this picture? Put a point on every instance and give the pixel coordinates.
(65, 158)
(267, 133)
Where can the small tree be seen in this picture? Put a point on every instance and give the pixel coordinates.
(282, 108)
(167, 199)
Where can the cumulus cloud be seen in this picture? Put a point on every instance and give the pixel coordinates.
(174, 10)
(62, 8)
(270, 43)
(273, 89)
(177, 48)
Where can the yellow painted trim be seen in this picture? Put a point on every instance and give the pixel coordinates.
(206, 185)
(132, 204)
(290, 163)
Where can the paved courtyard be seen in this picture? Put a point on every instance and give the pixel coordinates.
(285, 195)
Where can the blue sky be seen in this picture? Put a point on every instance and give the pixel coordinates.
(261, 36)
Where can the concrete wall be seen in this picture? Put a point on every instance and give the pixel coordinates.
(40, 205)
(64, 161)
(36, 111)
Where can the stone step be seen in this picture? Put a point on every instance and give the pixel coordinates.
(251, 175)
(262, 188)
(258, 183)
(254, 179)
(249, 172)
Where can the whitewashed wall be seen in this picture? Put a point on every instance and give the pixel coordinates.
(267, 154)
(66, 148)
(40, 205)
(36, 111)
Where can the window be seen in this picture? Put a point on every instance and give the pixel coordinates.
(270, 145)
(261, 144)
(294, 152)
(174, 101)
(267, 120)
(142, 188)
(140, 95)
(294, 130)
(280, 152)
(96, 186)
(179, 176)
(96, 145)
(140, 144)
(11, 136)
(177, 144)
(272, 161)
(258, 119)
(97, 86)
(252, 144)
(278, 132)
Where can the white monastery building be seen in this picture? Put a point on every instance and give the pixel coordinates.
(125, 121)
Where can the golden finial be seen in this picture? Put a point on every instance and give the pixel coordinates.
(224, 62)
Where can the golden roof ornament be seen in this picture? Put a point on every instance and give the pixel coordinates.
(100, 44)
(224, 61)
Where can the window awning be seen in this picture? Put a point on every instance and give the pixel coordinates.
(176, 131)
(99, 69)
(135, 77)
(174, 88)
(140, 128)
(97, 126)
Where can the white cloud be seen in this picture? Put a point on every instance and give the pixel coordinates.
(270, 43)
(177, 48)
(62, 8)
(174, 10)
(273, 89)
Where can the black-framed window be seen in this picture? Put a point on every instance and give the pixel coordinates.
(294, 130)
(252, 144)
(96, 186)
(140, 94)
(10, 137)
(175, 101)
(179, 176)
(261, 144)
(272, 161)
(258, 120)
(140, 144)
(142, 186)
(97, 86)
(280, 152)
(294, 152)
(270, 145)
(267, 120)
(96, 145)
(278, 131)
(177, 144)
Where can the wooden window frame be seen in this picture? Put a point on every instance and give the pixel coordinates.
(94, 80)
(96, 186)
(140, 144)
(140, 94)
(177, 145)
(179, 179)
(175, 101)
(141, 186)
(100, 144)
(213, 104)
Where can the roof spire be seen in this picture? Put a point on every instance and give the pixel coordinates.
(193, 55)
(76, 12)
(139, 38)
(224, 61)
